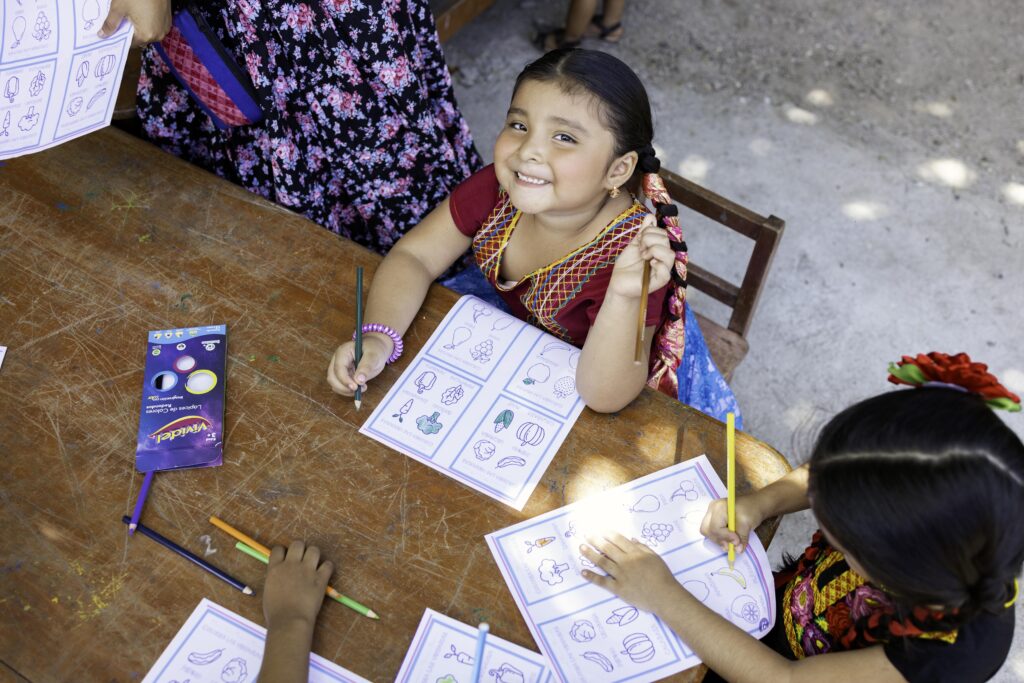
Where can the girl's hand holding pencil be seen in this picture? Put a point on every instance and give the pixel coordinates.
(651, 244)
(715, 525)
(342, 373)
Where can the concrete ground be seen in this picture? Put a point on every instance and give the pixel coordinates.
(889, 137)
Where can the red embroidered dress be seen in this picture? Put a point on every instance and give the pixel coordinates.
(563, 297)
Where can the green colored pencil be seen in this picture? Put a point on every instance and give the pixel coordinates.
(345, 600)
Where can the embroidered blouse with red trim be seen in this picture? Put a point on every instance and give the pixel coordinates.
(563, 297)
(825, 606)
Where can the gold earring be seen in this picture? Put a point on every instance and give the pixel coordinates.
(614, 192)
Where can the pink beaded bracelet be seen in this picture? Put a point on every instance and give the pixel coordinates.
(395, 337)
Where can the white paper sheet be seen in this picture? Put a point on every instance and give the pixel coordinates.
(58, 79)
(442, 652)
(215, 645)
(590, 635)
(481, 364)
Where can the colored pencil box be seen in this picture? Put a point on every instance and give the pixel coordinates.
(204, 67)
(181, 423)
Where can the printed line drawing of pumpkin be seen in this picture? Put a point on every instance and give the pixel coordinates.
(530, 433)
(639, 648)
(104, 66)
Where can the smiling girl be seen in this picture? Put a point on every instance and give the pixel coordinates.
(556, 227)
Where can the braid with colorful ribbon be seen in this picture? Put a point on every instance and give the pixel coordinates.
(670, 338)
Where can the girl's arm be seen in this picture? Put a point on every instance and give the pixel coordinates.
(292, 597)
(399, 287)
(784, 495)
(607, 378)
(637, 575)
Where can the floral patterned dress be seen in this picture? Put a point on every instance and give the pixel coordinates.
(360, 133)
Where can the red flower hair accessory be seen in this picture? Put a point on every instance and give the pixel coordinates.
(958, 371)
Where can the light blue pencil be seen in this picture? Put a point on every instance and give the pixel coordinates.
(478, 659)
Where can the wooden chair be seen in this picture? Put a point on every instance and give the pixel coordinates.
(728, 345)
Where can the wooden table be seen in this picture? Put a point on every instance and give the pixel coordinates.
(106, 237)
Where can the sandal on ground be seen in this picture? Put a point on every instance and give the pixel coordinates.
(553, 40)
(603, 32)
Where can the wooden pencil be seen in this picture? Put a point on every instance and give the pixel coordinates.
(140, 502)
(195, 559)
(359, 332)
(256, 545)
(642, 318)
(730, 475)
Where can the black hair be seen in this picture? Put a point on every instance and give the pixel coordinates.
(625, 110)
(925, 489)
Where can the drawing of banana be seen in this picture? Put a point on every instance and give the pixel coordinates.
(732, 574)
(599, 659)
(205, 657)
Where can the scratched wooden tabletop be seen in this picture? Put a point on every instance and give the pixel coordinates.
(105, 238)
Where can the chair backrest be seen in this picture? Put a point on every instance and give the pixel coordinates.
(452, 15)
(765, 232)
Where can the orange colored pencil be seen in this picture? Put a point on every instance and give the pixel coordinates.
(253, 543)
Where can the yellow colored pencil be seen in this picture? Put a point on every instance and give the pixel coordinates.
(256, 545)
(730, 475)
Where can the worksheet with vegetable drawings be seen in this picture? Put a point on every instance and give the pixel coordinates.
(587, 633)
(487, 401)
(58, 79)
(442, 651)
(215, 645)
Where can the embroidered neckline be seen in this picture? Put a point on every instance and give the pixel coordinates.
(507, 235)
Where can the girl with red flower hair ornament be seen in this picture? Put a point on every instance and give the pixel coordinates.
(913, 575)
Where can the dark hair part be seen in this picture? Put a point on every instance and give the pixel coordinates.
(925, 489)
(625, 111)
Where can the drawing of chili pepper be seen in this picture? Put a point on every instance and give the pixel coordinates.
(96, 98)
(201, 658)
(599, 659)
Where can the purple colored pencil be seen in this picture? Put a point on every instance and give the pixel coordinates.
(174, 547)
(140, 502)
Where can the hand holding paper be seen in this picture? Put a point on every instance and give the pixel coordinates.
(151, 19)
